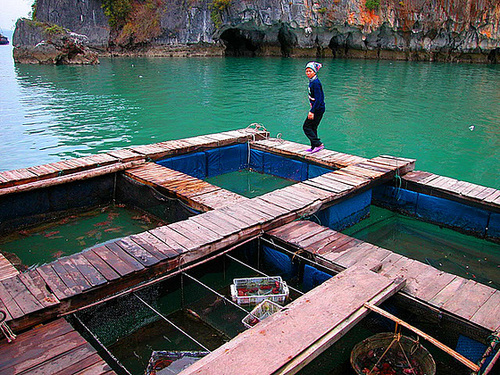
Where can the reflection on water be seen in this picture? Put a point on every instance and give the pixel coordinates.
(249, 183)
(72, 234)
(442, 248)
(418, 110)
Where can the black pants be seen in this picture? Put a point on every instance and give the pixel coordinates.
(311, 129)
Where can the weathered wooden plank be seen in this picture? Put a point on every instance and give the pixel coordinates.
(100, 368)
(54, 282)
(174, 239)
(29, 341)
(286, 334)
(136, 251)
(7, 269)
(67, 278)
(272, 209)
(91, 274)
(249, 218)
(334, 186)
(492, 197)
(124, 256)
(146, 238)
(91, 365)
(189, 227)
(22, 296)
(488, 315)
(44, 171)
(298, 196)
(13, 309)
(156, 253)
(17, 176)
(285, 229)
(100, 265)
(417, 276)
(38, 288)
(320, 194)
(125, 155)
(307, 230)
(428, 290)
(309, 242)
(276, 199)
(468, 299)
(337, 245)
(114, 261)
(416, 176)
(75, 273)
(66, 359)
(216, 199)
(215, 225)
(351, 253)
(325, 244)
(36, 353)
(448, 292)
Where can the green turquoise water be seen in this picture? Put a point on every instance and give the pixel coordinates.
(249, 183)
(72, 234)
(412, 109)
(442, 248)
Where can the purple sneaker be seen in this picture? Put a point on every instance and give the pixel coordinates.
(309, 149)
(317, 149)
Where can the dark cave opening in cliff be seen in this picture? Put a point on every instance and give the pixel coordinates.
(242, 42)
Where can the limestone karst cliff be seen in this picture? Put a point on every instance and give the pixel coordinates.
(434, 30)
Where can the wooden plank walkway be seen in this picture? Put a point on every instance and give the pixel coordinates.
(53, 348)
(450, 188)
(288, 340)
(197, 193)
(7, 269)
(113, 161)
(332, 159)
(452, 294)
(78, 279)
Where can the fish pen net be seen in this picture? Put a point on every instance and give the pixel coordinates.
(390, 353)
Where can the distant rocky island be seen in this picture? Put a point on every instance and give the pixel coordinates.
(69, 32)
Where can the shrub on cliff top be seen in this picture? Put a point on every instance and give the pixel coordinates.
(218, 6)
(117, 11)
(143, 23)
(372, 4)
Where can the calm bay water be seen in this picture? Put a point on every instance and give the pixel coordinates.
(417, 110)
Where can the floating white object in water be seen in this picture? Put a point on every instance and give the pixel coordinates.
(471, 128)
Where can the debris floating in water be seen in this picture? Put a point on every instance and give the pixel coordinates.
(472, 127)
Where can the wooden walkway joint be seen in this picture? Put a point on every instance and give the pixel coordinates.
(467, 299)
(290, 339)
(53, 348)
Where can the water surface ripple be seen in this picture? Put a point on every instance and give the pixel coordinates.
(413, 109)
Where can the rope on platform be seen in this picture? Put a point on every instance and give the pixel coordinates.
(494, 339)
(9, 335)
(255, 126)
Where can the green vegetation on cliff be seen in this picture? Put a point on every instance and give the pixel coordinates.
(372, 4)
(117, 11)
(218, 7)
(133, 21)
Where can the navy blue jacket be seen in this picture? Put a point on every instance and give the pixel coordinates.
(316, 96)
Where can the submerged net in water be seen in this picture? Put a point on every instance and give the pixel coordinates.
(391, 354)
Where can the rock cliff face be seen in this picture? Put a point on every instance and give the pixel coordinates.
(444, 30)
(49, 44)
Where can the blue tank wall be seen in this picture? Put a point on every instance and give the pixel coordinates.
(480, 222)
(347, 213)
(237, 157)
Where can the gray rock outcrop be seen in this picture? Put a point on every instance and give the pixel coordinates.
(46, 44)
(443, 30)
